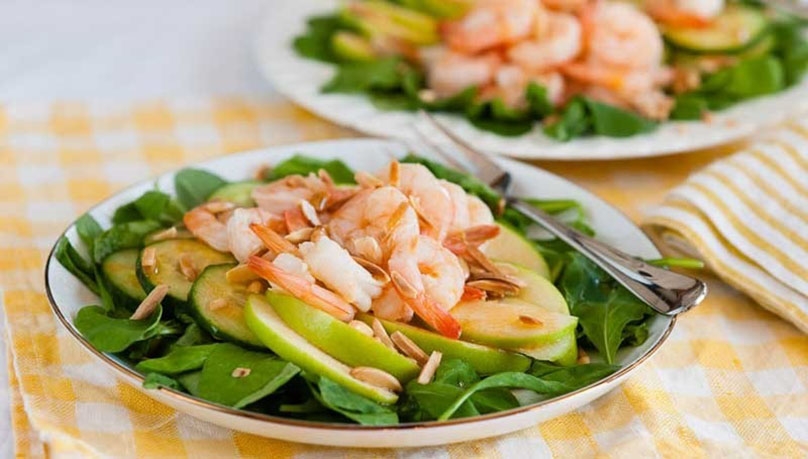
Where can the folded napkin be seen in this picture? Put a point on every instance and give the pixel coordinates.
(747, 216)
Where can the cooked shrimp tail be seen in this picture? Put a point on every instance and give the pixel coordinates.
(204, 225)
(304, 290)
(426, 308)
(272, 240)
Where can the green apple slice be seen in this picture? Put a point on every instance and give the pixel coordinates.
(485, 360)
(511, 247)
(340, 340)
(267, 325)
(537, 290)
(511, 325)
(563, 351)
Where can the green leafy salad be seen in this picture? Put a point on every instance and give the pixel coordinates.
(608, 68)
(258, 321)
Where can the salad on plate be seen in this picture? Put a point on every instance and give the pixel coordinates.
(574, 67)
(319, 293)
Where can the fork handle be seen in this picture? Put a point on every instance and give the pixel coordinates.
(665, 291)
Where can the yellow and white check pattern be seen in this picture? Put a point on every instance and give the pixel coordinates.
(732, 380)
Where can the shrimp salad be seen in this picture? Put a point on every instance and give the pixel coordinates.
(573, 67)
(314, 292)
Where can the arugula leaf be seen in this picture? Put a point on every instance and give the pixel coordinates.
(179, 360)
(156, 381)
(194, 186)
(88, 229)
(74, 263)
(304, 165)
(111, 334)
(124, 236)
(353, 406)
(509, 380)
(267, 373)
(383, 74)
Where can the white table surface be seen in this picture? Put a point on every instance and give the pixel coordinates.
(120, 51)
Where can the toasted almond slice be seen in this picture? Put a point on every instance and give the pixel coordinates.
(300, 236)
(149, 304)
(361, 327)
(395, 173)
(148, 259)
(319, 201)
(256, 286)
(309, 212)
(529, 320)
(476, 255)
(187, 268)
(378, 378)
(403, 286)
(494, 286)
(378, 273)
(241, 372)
(218, 303)
(367, 248)
(428, 371)
(217, 207)
(381, 333)
(409, 348)
(164, 235)
(583, 357)
(366, 180)
(240, 274)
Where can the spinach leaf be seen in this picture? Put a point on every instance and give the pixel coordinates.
(179, 360)
(190, 381)
(316, 42)
(220, 382)
(429, 401)
(352, 77)
(611, 121)
(791, 47)
(353, 406)
(194, 186)
(468, 182)
(494, 400)
(459, 102)
(573, 121)
(124, 236)
(689, 107)
(156, 381)
(88, 229)
(503, 127)
(75, 264)
(456, 372)
(111, 334)
(509, 380)
(574, 377)
(194, 335)
(304, 165)
(538, 101)
(756, 77)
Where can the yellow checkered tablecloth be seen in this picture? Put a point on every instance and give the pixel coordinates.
(732, 380)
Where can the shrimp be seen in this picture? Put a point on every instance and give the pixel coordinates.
(204, 225)
(333, 266)
(491, 23)
(452, 73)
(390, 306)
(285, 194)
(302, 288)
(241, 241)
(467, 210)
(558, 42)
(565, 5)
(427, 197)
(684, 13)
(619, 35)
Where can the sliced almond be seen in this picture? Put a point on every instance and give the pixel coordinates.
(310, 213)
(495, 286)
(361, 327)
(262, 172)
(367, 248)
(583, 357)
(149, 304)
(378, 378)
(187, 268)
(240, 274)
(218, 303)
(256, 286)
(403, 286)
(420, 212)
(217, 207)
(378, 273)
(300, 236)
(381, 333)
(164, 235)
(366, 180)
(395, 174)
(409, 348)
(429, 369)
(241, 372)
(530, 320)
(148, 259)
(477, 256)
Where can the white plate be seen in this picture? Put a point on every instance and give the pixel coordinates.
(300, 79)
(67, 295)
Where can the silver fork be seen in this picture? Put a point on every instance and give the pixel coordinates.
(665, 291)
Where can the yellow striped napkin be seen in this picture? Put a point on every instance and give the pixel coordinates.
(747, 216)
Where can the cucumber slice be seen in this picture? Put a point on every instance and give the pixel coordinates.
(563, 351)
(511, 247)
(511, 325)
(239, 193)
(167, 271)
(736, 29)
(120, 274)
(485, 360)
(537, 290)
(282, 340)
(218, 306)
